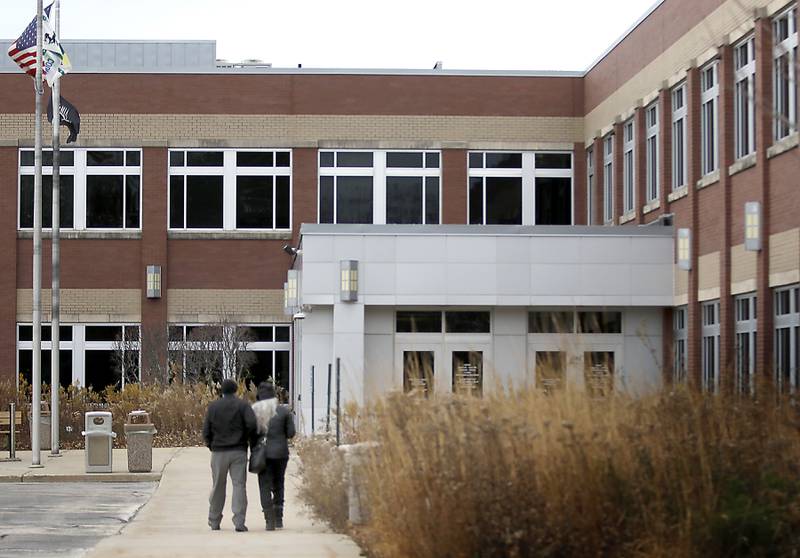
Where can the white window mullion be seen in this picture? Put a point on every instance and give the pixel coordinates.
(229, 190)
(79, 190)
(379, 188)
(528, 186)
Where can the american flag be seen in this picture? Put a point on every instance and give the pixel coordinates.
(54, 60)
(23, 51)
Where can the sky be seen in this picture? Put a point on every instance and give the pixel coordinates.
(466, 34)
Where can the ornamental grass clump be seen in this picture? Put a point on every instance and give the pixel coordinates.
(529, 474)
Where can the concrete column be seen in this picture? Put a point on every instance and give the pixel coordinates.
(348, 346)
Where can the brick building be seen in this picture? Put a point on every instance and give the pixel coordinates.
(209, 169)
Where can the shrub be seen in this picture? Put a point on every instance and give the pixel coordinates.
(323, 488)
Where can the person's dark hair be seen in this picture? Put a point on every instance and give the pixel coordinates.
(266, 390)
(228, 387)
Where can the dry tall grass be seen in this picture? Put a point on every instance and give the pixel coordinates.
(527, 474)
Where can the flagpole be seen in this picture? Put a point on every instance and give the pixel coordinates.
(55, 292)
(36, 404)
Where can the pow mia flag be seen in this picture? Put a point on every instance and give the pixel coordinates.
(70, 117)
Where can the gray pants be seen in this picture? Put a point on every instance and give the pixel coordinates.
(223, 463)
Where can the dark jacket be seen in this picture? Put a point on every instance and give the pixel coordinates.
(229, 424)
(280, 430)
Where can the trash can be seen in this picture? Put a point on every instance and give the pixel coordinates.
(99, 441)
(139, 437)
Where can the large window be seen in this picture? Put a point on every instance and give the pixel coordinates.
(651, 151)
(710, 346)
(787, 337)
(745, 329)
(570, 321)
(365, 187)
(590, 186)
(25, 354)
(628, 167)
(608, 178)
(454, 321)
(679, 137)
(99, 189)
(229, 189)
(709, 99)
(680, 344)
(744, 62)
(520, 188)
(784, 33)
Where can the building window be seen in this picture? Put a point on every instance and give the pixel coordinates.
(608, 178)
(787, 337)
(628, 170)
(99, 189)
(784, 33)
(562, 322)
(745, 330)
(744, 61)
(25, 354)
(680, 340)
(590, 186)
(651, 151)
(520, 188)
(679, 137)
(454, 321)
(710, 345)
(394, 187)
(230, 190)
(599, 322)
(709, 99)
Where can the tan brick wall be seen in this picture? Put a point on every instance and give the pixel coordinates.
(210, 305)
(292, 130)
(784, 258)
(85, 305)
(681, 281)
(743, 270)
(709, 33)
(708, 276)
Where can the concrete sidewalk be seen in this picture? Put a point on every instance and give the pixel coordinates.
(173, 523)
(71, 467)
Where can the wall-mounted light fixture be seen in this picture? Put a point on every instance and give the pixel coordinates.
(153, 281)
(685, 249)
(752, 226)
(348, 280)
(292, 296)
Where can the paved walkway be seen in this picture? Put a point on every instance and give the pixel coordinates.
(173, 523)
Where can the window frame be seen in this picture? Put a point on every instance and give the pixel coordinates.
(680, 340)
(652, 129)
(608, 178)
(679, 102)
(784, 122)
(787, 319)
(745, 332)
(709, 127)
(744, 114)
(710, 334)
(628, 167)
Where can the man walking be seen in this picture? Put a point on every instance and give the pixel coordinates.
(228, 427)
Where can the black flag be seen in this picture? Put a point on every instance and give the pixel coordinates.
(70, 117)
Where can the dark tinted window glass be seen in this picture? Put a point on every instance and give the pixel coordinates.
(133, 158)
(254, 202)
(432, 160)
(67, 158)
(467, 322)
(503, 201)
(282, 197)
(600, 322)
(476, 160)
(25, 333)
(468, 373)
(553, 161)
(504, 160)
(27, 158)
(131, 333)
(65, 333)
(282, 159)
(403, 200)
(254, 159)
(553, 201)
(551, 369)
(326, 159)
(204, 158)
(175, 333)
(418, 367)
(354, 159)
(354, 199)
(65, 194)
(176, 202)
(104, 201)
(282, 334)
(432, 200)
(551, 322)
(419, 322)
(260, 365)
(103, 333)
(282, 374)
(102, 370)
(261, 333)
(326, 199)
(404, 159)
(132, 202)
(105, 158)
(204, 202)
(176, 158)
(65, 366)
(475, 201)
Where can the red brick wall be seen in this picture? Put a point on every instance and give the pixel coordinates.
(8, 269)
(454, 186)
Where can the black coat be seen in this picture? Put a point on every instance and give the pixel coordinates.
(280, 430)
(229, 424)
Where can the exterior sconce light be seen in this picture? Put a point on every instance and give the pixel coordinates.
(348, 281)
(287, 310)
(685, 249)
(292, 298)
(153, 281)
(752, 226)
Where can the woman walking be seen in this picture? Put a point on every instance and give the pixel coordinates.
(275, 428)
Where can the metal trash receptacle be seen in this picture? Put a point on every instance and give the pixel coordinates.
(99, 441)
(139, 439)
